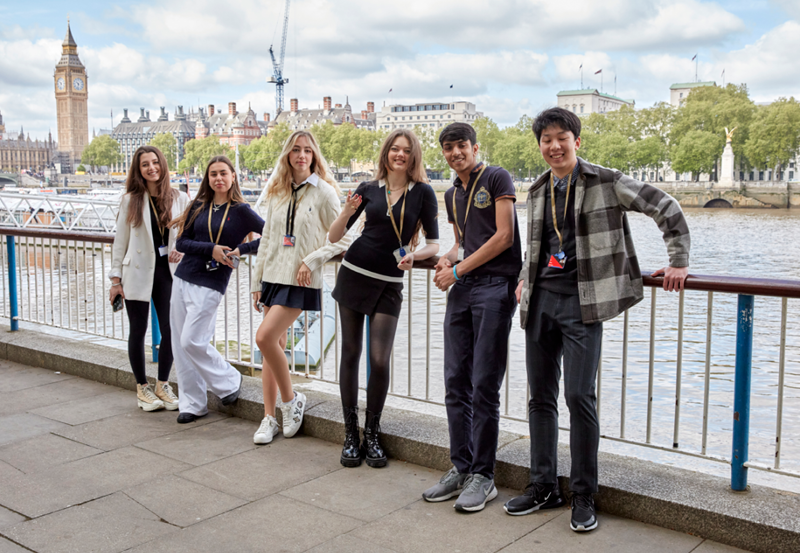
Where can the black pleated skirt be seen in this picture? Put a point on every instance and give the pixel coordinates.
(296, 297)
(367, 295)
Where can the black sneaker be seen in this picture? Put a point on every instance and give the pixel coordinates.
(583, 518)
(537, 496)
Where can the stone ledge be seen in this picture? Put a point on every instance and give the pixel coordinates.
(762, 520)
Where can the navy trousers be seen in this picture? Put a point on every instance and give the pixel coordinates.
(476, 327)
(555, 330)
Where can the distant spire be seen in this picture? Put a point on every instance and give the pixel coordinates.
(68, 40)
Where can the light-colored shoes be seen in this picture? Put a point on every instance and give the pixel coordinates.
(292, 414)
(147, 399)
(167, 396)
(267, 430)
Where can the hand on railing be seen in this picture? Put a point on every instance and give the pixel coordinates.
(407, 263)
(444, 277)
(674, 277)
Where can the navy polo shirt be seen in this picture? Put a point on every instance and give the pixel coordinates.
(495, 184)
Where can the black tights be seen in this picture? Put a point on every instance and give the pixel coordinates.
(138, 312)
(381, 337)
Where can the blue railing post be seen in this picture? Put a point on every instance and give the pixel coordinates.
(155, 331)
(12, 282)
(741, 393)
(369, 366)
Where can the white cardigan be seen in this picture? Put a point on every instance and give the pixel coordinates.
(133, 256)
(316, 212)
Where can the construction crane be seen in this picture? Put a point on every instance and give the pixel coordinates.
(277, 76)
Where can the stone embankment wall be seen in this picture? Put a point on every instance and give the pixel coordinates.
(744, 194)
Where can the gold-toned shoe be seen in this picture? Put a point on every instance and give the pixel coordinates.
(167, 396)
(147, 399)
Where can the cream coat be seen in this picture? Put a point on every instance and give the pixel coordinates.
(133, 257)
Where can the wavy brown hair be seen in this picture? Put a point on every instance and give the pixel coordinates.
(136, 186)
(415, 171)
(205, 196)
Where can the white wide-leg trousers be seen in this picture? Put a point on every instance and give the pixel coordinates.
(198, 365)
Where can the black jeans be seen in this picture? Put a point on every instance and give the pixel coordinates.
(476, 327)
(138, 312)
(555, 330)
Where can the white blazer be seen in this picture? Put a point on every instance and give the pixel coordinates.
(133, 256)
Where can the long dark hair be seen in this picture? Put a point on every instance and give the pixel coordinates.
(136, 186)
(205, 196)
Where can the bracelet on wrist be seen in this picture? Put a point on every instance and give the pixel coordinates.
(455, 274)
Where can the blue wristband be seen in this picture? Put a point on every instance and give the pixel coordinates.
(455, 274)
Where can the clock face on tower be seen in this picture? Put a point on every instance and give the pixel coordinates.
(77, 84)
(60, 83)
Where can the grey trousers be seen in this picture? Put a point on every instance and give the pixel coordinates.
(555, 330)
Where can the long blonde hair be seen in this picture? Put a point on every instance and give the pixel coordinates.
(280, 184)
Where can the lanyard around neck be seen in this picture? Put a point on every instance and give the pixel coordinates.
(461, 232)
(222, 224)
(158, 221)
(553, 208)
(390, 207)
(293, 201)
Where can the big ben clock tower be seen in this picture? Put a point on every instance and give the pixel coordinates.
(71, 88)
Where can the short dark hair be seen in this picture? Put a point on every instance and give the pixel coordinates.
(556, 117)
(456, 132)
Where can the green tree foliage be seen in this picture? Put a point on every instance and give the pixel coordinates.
(168, 146)
(774, 134)
(696, 152)
(262, 153)
(712, 109)
(103, 150)
(80, 168)
(650, 152)
(609, 149)
(198, 152)
(489, 135)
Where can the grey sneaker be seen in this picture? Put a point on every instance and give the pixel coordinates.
(478, 489)
(449, 485)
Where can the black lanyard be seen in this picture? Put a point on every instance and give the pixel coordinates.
(290, 214)
(158, 221)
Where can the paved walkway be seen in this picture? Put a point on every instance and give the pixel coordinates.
(82, 469)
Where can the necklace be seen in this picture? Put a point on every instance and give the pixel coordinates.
(389, 188)
(215, 207)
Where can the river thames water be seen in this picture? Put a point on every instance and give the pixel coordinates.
(729, 242)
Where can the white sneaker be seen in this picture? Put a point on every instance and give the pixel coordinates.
(267, 430)
(167, 396)
(147, 399)
(292, 412)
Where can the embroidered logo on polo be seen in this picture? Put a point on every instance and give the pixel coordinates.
(482, 198)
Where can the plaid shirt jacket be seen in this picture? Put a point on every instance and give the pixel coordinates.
(609, 279)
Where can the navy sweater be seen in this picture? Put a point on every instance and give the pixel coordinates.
(197, 245)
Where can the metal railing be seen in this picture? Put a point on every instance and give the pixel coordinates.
(696, 402)
(58, 212)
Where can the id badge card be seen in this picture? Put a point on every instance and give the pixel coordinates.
(288, 241)
(460, 253)
(400, 253)
(163, 250)
(557, 260)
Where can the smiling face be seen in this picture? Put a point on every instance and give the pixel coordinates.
(399, 158)
(149, 167)
(301, 157)
(220, 177)
(559, 149)
(460, 155)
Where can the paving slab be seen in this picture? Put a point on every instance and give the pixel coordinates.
(351, 544)
(131, 427)
(10, 547)
(9, 518)
(181, 502)
(367, 493)
(272, 468)
(275, 523)
(7, 471)
(207, 443)
(63, 486)
(22, 426)
(79, 411)
(16, 380)
(709, 546)
(108, 525)
(43, 452)
(438, 527)
(52, 393)
(612, 534)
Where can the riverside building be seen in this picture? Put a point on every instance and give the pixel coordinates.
(131, 135)
(590, 100)
(303, 119)
(431, 115)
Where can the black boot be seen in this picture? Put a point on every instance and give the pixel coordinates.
(351, 453)
(373, 452)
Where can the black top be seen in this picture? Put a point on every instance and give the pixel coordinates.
(495, 184)
(562, 281)
(158, 240)
(197, 245)
(373, 250)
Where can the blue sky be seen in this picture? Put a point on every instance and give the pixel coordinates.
(510, 59)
